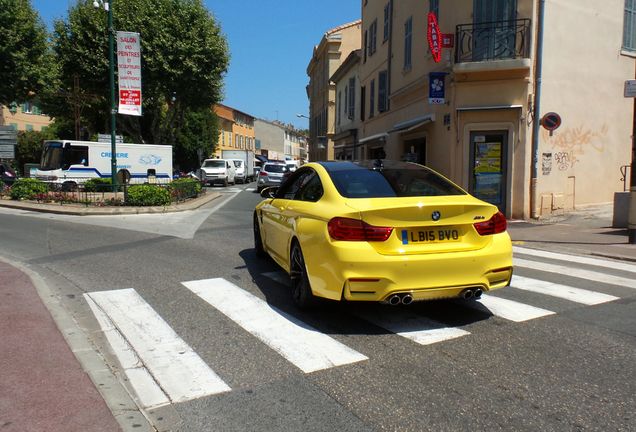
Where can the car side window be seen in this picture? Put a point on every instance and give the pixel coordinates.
(290, 188)
(312, 189)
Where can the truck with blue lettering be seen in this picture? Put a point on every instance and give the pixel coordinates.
(71, 163)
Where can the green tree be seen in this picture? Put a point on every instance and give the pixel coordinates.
(197, 138)
(29, 149)
(184, 59)
(26, 65)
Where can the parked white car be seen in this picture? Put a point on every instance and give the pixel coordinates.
(218, 171)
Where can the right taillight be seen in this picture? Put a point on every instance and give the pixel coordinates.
(262, 173)
(495, 225)
(346, 229)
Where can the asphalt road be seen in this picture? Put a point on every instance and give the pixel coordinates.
(569, 370)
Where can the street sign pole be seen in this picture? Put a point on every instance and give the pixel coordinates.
(113, 106)
(630, 92)
(631, 224)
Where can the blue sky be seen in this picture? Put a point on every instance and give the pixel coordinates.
(271, 42)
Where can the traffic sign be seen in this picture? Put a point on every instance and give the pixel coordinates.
(551, 121)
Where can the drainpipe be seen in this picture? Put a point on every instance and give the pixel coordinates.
(537, 112)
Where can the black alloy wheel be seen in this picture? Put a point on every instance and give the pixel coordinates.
(301, 289)
(258, 241)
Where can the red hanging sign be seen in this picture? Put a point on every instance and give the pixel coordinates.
(434, 37)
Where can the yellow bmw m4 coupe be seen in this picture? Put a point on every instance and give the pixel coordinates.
(381, 231)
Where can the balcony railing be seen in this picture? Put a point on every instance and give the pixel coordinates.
(489, 41)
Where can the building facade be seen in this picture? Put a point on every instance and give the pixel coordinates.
(334, 47)
(278, 141)
(236, 130)
(348, 103)
(24, 117)
(454, 85)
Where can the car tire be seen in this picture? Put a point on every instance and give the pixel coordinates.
(258, 240)
(302, 295)
(225, 182)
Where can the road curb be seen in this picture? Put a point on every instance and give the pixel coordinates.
(70, 209)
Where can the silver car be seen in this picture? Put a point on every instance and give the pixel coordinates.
(271, 174)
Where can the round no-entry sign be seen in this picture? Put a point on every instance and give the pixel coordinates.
(551, 121)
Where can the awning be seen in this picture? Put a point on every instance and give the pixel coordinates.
(381, 136)
(409, 125)
(488, 107)
(261, 158)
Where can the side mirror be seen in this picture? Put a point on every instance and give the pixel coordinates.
(269, 192)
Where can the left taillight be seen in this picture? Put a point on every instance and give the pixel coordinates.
(495, 225)
(346, 229)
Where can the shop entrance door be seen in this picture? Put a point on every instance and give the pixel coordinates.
(489, 167)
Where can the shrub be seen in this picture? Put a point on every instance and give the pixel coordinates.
(148, 195)
(183, 188)
(27, 188)
(98, 185)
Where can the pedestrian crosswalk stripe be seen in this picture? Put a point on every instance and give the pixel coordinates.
(419, 329)
(575, 272)
(577, 295)
(614, 265)
(298, 342)
(175, 367)
(148, 391)
(509, 309)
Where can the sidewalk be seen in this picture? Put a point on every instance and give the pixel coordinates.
(586, 231)
(42, 386)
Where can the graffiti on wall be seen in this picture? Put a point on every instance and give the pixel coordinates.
(546, 163)
(573, 143)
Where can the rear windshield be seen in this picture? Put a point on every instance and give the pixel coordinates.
(275, 168)
(214, 164)
(399, 180)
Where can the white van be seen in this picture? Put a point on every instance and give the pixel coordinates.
(71, 163)
(221, 171)
(241, 172)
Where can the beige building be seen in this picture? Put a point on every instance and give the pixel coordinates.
(333, 49)
(236, 130)
(470, 115)
(24, 117)
(348, 103)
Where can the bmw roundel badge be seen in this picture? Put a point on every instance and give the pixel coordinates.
(436, 215)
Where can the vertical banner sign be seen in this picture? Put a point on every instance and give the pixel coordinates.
(129, 70)
(436, 88)
(434, 37)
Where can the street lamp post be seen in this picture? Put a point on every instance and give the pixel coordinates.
(108, 6)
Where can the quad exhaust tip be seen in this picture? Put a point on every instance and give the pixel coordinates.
(471, 293)
(396, 299)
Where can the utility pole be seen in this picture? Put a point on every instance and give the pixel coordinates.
(631, 224)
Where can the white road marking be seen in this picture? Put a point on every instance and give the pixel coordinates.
(148, 391)
(614, 265)
(419, 329)
(577, 295)
(176, 368)
(511, 310)
(575, 272)
(299, 343)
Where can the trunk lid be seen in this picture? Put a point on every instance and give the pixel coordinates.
(415, 230)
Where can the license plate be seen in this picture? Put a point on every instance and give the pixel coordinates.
(431, 235)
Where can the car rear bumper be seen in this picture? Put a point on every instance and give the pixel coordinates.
(354, 271)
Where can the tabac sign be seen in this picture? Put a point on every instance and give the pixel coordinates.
(129, 70)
